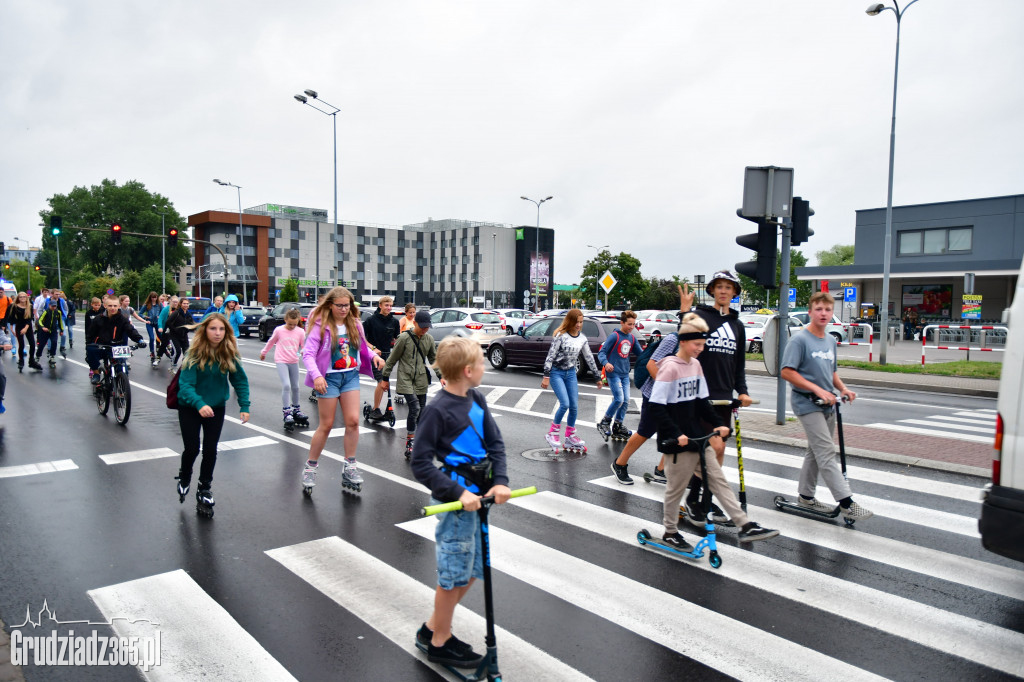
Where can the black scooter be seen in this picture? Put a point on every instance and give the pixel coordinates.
(488, 668)
(388, 415)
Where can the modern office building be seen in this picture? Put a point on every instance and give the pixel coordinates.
(933, 247)
(435, 263)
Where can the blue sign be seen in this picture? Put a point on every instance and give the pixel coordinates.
(850, 294)
(792, 295)
(735, 301)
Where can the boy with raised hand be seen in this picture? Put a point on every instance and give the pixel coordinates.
(459, 455)
(809, 365)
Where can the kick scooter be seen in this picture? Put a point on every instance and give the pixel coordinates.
(388, 416)
(488, 668)
(790, 506)
(708, 542)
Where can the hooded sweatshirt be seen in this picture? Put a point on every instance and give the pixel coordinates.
(724, 357)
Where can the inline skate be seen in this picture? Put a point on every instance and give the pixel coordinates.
(183, 485)
(204, 501)
(573, 443)
(553, 439)
(408, 448)
(620, 432)
(289, 420)
(309, 478)
(604, 428)
(300, 419)
(351, 479)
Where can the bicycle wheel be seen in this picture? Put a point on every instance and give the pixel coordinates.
(102, 393)
(122, 398)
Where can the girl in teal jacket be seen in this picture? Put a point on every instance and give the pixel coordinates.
(210, 365)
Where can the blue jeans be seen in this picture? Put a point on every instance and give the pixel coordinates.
(563, 383)
(619, 383)
(151, 330)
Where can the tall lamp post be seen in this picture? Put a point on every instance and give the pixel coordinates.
(334, 117)
(875, 10)
(597, 278)
(494, 269)
(536, 300)
(163, 248)
(28, 265)
(241, 238)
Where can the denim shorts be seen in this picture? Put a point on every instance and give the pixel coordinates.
(459, 552)
(340, 382)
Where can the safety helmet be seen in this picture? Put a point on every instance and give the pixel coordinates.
(726, 275)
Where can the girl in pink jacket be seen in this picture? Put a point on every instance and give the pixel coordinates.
(289, 340)
(335, 354)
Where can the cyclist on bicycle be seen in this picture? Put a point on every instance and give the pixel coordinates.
(109, 329)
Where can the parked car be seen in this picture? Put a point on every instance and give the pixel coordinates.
(530, 347)
(253, 315)
(275, 318)
(836, 328)
(480, 325)
(652, 324)
(197, 306)
(753, 325)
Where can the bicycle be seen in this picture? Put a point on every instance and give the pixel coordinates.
(114, 385)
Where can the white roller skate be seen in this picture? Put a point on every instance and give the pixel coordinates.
(309, 478)
(351, 478)
(573, 443)
(553, 440)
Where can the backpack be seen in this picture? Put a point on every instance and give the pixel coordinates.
(640, 373)
(172, 391)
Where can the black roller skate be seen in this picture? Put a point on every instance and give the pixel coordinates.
(620, 432)
(408, 447)
(204, 501)
(604, 428)
(289, 420)
(21, 364)
(63, 353)
(301, 420)
(183, 483)
(51, 359)
(313, 397)
(351, 479)
(399, 400)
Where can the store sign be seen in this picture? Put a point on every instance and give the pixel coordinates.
(292, 211)
(313, 283)
(971, 307)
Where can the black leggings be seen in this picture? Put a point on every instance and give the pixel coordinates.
(190, 423)
(415, 403)
(31, 345)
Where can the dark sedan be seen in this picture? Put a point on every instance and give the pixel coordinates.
(530, 347)
(275, 318)
(253, 315)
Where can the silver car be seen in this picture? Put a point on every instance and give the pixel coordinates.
(483, 326)
(656, 323)
(836, 327)
(515, 319)
(753, 327)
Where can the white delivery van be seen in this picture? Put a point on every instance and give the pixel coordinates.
(1002, 509)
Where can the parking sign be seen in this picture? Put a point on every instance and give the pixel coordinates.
(850, 294)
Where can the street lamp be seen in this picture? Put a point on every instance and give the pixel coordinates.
(536, 300)
(163, 249)
(241, 238)
(28, 265)
(597, 278)
(334, 117)
(874, 10)
(494, 269)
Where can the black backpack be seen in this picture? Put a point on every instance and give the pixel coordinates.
(640, 373)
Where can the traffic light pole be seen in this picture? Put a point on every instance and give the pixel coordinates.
(60, 284)
(783, 325)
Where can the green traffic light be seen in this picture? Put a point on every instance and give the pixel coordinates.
(55, 231)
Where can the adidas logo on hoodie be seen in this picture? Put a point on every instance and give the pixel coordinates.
(721, 340)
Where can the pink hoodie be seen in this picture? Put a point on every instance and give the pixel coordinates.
(316, 354)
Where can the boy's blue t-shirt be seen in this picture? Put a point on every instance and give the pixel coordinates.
(616, 350)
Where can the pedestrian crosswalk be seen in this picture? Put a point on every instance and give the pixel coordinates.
(975, 426)
(941, 606)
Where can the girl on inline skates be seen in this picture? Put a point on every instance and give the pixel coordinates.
(560, 374)
(287, 341)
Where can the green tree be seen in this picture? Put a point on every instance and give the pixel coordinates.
(758, 295)
(101, 285)
(99, 207)
(662, 294)
(840, 254)
(149, 280)
(128, 283)
(630, 286)
(17, 275)
(289, 292)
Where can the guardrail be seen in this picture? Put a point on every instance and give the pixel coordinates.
(971, 328)
(870, 337)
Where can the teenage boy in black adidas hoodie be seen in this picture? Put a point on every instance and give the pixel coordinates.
(724, 364)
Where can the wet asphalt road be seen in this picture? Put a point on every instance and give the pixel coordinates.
(570, 581)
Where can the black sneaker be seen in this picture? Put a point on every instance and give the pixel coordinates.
(376, 414)
(620, 473)
(425, 634)
(451, 654)
(659, 475)
(677, 541)
(719, 518)
(752, 531)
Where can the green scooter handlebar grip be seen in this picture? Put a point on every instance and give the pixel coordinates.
(456, 506)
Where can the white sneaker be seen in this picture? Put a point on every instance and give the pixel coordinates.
(857, 512)
(814, 505)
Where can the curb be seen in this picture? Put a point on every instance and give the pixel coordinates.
(936, 465)
(904, 386)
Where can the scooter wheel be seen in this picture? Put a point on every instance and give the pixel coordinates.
(715, 560)
(850, 522)
(779, 501)
(366, 412)
(391, 419)
(643, 536)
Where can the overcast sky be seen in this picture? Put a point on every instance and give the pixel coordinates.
(638, 117)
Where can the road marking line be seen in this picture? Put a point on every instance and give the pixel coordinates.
(364, 578)
(990, 423)
(198, 638)
(930, 432)
(601, 405)
(957, 569)
(37, 468)
(495, 394)
(138, 455)
(961, 427)
(922, 624)
(529, 398)
(977, 414)
(339, 432)
(253, 442)
(663, 618)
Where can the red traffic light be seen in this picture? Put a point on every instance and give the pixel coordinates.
(174, 232)
(115, 233)
(115, 227)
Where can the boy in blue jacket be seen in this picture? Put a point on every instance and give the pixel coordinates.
(459, 454)
(614, 358)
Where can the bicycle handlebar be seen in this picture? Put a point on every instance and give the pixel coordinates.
(486, 501)
(732, 403)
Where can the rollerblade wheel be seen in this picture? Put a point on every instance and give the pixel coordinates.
(307, 490)
(715, 560)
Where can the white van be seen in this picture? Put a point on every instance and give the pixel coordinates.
(9, 290)
(1002, 509)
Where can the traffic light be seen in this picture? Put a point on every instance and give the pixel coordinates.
(115, 233)
(762, 268)
(802, 212)
(56, 222)
(7, 266)
(37, 268)
(172, 237)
